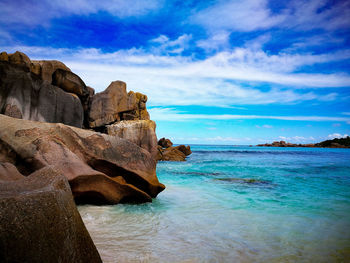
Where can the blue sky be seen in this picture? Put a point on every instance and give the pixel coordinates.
(215, 72)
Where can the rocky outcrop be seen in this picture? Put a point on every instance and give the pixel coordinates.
(140, 132)
(106, 106)
(24, 95)
(39, 221)
(166, 152)
(19, 58)
(46, 68)
(70, 82)
(335, 143)
(165, 143)
(100, 168)
(114, 104)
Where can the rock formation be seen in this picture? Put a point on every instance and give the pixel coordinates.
(335, 143)
(165, 143)
(166, 152)
(24, 95)
(39, 221)
(117, 165)
(100, 168)
(114, 104)
(47, 158)
(140, 132)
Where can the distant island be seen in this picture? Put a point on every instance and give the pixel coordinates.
(335, 143)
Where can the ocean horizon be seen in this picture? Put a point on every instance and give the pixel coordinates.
(235, 204)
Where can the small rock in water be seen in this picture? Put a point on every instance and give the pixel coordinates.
(243, 180)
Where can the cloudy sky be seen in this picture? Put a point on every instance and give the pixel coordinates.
(215, 72)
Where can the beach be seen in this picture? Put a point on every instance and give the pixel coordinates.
(235, 204)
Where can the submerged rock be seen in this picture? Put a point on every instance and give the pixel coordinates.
(100, 168)
(39, 221)
(166, 151)
(243, 180)
(172, 154)
(165, 143)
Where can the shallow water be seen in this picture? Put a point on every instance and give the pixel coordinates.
(235, 204)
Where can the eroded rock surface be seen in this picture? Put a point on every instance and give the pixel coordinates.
(140, 132)
(166, 152)
(100, 168)
(165, 143)
(39, 221)
(24, 95)
(45, 68)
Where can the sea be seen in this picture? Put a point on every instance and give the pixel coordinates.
(235, 204)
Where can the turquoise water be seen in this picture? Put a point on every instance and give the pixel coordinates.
(235, 204)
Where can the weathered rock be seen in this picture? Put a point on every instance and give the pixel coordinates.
(140, 132)
(70, 82)
(45, 68)
(172, 154)
(19, 58)
(39, 221)
(100, 168)
(23, 95)
(185, 149)
(9, 172)
(107, 106)
(165, 143)
(4, 56)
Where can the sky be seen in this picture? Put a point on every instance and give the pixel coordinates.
(215, 72)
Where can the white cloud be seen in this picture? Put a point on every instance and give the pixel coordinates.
(163, 45)
(41, 12)
(250, 15)
(238, 15)
(337, 135)
(296, 139)
(313, 14)
(217, 81)
(216, 41)
(170, 114)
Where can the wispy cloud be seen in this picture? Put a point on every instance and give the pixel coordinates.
(33, 13)
(253, 15)
(297, 139)
(224, 79)
(337, 135)
(170, 114)
(238, 15)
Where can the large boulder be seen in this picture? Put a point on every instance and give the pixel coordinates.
(140, 112)
(184, 149)
(39, 221)
(24, 95)
(166, 151)
(45, 68)
(100, 168)
(70, 82)
(4, 56)
(172, 154)
(19, 58)
(165, 143)
(140, 132)
(107, 106)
